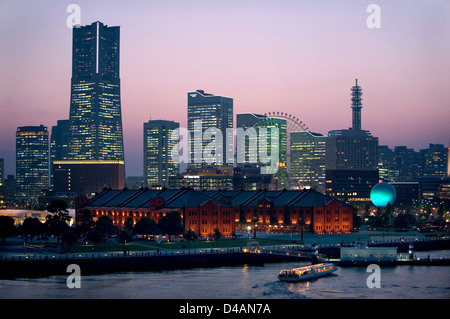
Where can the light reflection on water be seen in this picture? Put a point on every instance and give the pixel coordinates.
(239, 282)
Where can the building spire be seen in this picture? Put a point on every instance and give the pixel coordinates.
(356, 106)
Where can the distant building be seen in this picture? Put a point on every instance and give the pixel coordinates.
(253, 151)
(95, 106)
(87, 177)
(351, 150)
(406, 193)
(307, 166)
(351, 186)
(407, 162)
(434, 160)
(59, 144)
(204, 211)
(32, 161)
(213, 112)
(95, 122)
(352, 159)
(199, 212)
(212, 178)
(159, 165)
(387, 169)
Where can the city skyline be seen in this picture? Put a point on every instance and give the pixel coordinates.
(262, 55)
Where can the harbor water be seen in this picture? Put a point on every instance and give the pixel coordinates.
(238, 282)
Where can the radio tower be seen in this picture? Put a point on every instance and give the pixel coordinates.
(356, 106)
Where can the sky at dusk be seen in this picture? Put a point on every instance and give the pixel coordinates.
(298, 57)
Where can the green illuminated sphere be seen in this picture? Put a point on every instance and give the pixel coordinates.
(382, 194)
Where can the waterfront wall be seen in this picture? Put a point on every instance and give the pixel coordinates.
(117, 262)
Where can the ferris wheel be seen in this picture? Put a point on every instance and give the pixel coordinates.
(293, 124)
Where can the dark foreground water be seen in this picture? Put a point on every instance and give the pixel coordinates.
(240, 282)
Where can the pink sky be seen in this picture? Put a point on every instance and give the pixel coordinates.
(299, 57)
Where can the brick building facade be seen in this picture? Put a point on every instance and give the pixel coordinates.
(205, 211)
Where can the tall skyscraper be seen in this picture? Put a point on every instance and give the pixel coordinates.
(213, 112)
(252, 142)
(95, 108)
(352, 159)
(158, 162)
(95, 139)
(31, 161)
(307, 167)
(252, 151)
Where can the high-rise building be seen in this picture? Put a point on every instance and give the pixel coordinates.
(254, 145)
(407, 162)
(352, 159)
(352, 150)
(95, 107)
(208, 116)
(59, 144)
(251, 143)
(32, 162)
(434, 161)
(307, 167)
(95, 122)
(159, 163)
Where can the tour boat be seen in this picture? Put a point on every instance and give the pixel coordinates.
(307, 272)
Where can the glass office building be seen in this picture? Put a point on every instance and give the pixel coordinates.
(307, 167)
(215, 113)
(95, 107)
(159, 164)
(32, 162)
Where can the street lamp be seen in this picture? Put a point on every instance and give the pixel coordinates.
(249, 228)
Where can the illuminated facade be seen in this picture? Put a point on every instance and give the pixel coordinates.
(32, 161)
(252, 150)
(214, 112)
(95, 107)
(225, 210)
(251, 142)
(307, 166)
(158, 162)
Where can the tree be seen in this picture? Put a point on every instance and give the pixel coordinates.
(105, 226)
(146, 226)
(190, 235)
(57, 222)
(94, 236)
(32, 227)
(69, 237)
(129, 225)
(171, 224)
(7, 228)
(86, 222)
(217, 235)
